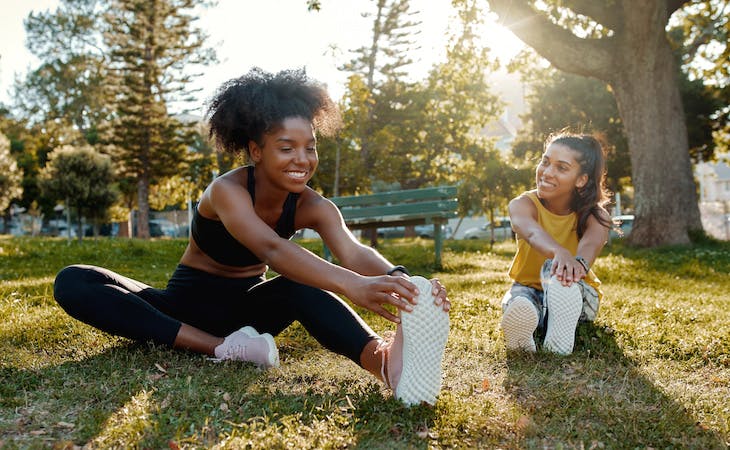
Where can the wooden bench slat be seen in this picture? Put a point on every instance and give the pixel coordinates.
(410, 195)
(432, 208)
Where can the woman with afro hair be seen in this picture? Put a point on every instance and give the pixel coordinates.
(218, 301)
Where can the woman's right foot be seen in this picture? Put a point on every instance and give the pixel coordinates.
(414, 357)
(248, 345)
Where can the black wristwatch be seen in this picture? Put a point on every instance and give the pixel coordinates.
(398, 269)
(583, 263)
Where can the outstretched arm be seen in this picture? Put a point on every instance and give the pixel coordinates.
(523, 215)
(594, 238)
(351, 253)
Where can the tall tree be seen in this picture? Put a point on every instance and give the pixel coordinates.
(625, 44)
(382, 62)
(153, 45)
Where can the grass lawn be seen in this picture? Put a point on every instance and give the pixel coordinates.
(652, 372)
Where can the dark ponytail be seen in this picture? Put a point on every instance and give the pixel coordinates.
(591, 198)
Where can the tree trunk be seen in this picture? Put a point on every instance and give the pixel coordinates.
(650, 105)
(143, 217)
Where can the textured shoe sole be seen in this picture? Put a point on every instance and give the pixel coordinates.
(564, 306)
(425, 331)
(273, 359)
(518, 325)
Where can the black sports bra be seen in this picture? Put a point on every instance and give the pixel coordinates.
(215, 241)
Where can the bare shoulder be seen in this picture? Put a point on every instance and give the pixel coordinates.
(228, 189)
(522, 206)
(314, 209)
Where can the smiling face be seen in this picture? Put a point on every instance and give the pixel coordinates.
(557, 176)
(288, 157)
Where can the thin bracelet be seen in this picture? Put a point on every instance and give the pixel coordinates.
(583, 263)
(398, 268)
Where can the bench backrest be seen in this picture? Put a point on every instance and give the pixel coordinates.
(403, 206)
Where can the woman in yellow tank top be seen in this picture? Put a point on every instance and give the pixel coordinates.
(561, 227)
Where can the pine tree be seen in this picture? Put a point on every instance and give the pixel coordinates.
(383, 64)
(152, 45)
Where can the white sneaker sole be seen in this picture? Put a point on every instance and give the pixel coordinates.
(425, 331)
(564, 306)
(518, 325)
(273, 358)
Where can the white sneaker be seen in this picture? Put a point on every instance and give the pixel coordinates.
(518, 325)
(248, 345)
(425, 331)
(564, 305)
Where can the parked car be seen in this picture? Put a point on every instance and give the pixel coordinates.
(502, 230)
(622, 226)
(426, 231)
(423, 231)
(162, 227)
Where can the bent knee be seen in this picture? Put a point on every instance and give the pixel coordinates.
(69, 283)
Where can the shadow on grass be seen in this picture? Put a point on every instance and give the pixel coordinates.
(598, 398)
(137, 395)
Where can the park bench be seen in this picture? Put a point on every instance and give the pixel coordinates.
(434, 205)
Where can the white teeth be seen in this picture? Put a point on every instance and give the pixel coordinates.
(545, 183)
(297, 174)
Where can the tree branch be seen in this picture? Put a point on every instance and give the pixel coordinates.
(673, 5)
(598, 11)
(566, 51)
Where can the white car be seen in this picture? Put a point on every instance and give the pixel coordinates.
(502, 230)
(622, 226)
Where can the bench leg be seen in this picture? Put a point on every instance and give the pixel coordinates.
(438, 242)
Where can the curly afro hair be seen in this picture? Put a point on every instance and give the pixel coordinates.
(245, 108)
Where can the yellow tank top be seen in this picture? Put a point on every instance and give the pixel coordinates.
(526, 265)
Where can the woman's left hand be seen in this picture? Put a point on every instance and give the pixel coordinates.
(439, 291)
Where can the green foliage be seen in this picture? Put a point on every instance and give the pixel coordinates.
(410, 135)
(490, 181)
(10, 175)
(173, 191)
(68, 86)
(380, 98)
(82, 178)
(652, 371)
(706, 28)
(460, 105)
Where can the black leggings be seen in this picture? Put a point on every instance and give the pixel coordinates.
(217, 305)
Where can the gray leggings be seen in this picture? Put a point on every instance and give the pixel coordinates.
(218, 305)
